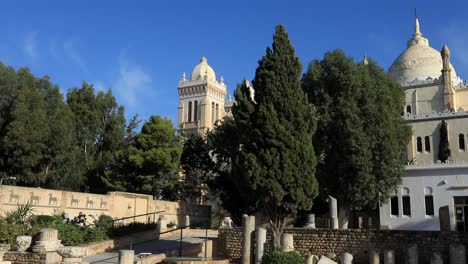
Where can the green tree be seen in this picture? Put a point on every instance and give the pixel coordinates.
(152, 163)
(444, 148)
(225, 142)
(279, 158)
(361, 139)
(99, 130)
(197, 166)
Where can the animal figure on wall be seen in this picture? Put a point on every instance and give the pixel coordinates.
(52, 199)
(74, 201)
(14, 197)
(103, 203)
(89, 203)
(34, 198)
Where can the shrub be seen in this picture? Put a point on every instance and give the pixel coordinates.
(105, 221)
(42, 220)
(9, 232)
(95, 234)
(277, 257)
(71, 234)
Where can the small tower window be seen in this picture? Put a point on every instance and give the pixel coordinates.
(461, 142)
(419, 144)
(408, 109)
(394, 205)
(217, 111)
(195, 111)
(189, 116)
(427, 144)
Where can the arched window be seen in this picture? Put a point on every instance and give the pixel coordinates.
(408, 109)
(427, 144)
(212, 112)
(195, 111)
(217, 111)
(461, 142)
(419, 144)
(189, 116)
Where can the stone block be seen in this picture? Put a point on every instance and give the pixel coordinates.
(346, 258)
(436, 258)
(389, 256)
(374, 257)
(325, 260)
(287, 242)
(311, 259)
(457, 254)
(23, 243)
(126, 256)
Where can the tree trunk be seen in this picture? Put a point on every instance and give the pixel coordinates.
(277, 228)
(343, 217)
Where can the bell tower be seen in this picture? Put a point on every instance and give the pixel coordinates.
(201, 100)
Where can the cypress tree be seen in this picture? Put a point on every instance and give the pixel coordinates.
(279, 158)
(444, 148)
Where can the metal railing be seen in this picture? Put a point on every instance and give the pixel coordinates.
(129, 217)
(182, 237)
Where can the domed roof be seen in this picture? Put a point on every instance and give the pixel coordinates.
(203, 71)
(418, 62)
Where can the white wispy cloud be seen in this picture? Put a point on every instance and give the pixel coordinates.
(71, 52)
(30, 45)
(132, 83)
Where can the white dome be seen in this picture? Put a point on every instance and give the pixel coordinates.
(203, 71)
(418, 62)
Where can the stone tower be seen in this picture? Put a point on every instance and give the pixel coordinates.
(201, 100)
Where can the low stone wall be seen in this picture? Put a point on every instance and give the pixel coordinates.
(358, 242)
(24, 258)
(116, 204)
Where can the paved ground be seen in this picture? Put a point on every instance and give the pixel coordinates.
(153, 247)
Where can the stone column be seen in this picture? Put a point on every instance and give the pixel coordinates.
(333, 208)
(389, 256)
(260, 240)
(287, 242)
(374, 257)
(346, 258)
(412, 254)
(3, 249)
(126, 256)
(248, 226)
(436, 258)
(162, 222)
(457, 254)
(310, 221)
(47, 241)
(72, 255)
(187, 222)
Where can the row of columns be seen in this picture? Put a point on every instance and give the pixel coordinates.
(457, 251)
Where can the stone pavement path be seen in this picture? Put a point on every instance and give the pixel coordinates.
(153, 247)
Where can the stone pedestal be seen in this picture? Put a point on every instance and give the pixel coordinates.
(227, 222)
(260, 240)
(374, 257)
(333, 208)
(23, 243)
(287, 242)
(72, 255)
(310, 221)
(346, 258)
(412, 256)
(325, 260)
(126, 256)
(47, 242)
(389, 257)
(311, 259)
(457, 254)
(187, 222)
(248, 226)
(436, 258)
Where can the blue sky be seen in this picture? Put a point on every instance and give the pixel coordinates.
(140, 48)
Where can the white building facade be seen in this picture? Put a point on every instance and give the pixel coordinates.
(434, 94)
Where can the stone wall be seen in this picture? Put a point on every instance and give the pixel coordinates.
(358, 242)
(115, 204)
(24, 258)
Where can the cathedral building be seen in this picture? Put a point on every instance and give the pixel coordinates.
(434, 94)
